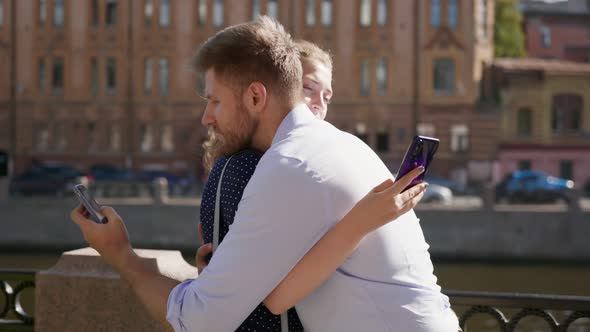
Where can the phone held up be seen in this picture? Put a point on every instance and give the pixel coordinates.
(92, 207)
(420, 153)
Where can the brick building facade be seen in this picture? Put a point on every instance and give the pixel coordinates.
(108, 81)
(559, 30)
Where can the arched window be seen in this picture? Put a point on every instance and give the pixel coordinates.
(566, 113)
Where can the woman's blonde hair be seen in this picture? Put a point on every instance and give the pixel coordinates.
(311, 52)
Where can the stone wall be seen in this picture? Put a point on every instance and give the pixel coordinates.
(543, 232)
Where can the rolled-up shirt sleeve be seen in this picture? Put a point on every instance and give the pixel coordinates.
(280, 217)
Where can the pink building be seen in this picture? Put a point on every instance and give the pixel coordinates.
(570, 162)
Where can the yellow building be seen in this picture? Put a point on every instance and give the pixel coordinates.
(545, 123)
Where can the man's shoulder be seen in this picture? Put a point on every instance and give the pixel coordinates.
(235, 161)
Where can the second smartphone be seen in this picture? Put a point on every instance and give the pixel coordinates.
(420, 153)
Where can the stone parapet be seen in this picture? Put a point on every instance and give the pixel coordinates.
(82, 293)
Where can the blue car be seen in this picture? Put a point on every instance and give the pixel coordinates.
(40, 179)
(106, 172)
(534, 187)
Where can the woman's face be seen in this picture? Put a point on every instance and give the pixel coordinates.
(317, 87)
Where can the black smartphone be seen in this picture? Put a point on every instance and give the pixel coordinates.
(420, 153)
(90, 204)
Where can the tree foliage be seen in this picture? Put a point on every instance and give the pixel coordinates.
(508, 34)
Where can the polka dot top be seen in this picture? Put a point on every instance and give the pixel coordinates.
(237, 174)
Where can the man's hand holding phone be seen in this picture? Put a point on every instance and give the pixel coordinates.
(110, 239)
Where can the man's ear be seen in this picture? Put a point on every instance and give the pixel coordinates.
(256, 97)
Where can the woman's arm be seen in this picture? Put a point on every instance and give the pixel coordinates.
(381, 205)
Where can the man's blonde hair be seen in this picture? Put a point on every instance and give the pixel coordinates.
(260, 51)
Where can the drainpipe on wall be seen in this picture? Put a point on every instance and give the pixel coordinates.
(130, 105)
(13, 86)
(416, 99)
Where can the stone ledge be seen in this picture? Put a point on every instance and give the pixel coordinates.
(82, 293)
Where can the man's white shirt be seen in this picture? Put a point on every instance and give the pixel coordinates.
(311, 176)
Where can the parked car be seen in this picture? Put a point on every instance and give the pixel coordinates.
(533, 187)
(437, 194)
(176, 184)
(455, 187)
(42, 179)
(105, 172)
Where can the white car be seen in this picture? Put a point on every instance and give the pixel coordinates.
(438, 194)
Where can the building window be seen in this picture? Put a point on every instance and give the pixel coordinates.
(327, 8)
(1, 12)
(163, 77)
(111, 75)
(148, 75)
(365, 77)
(61, 142)
(148, 12)
(310, 12)
(147, 137)
(546, 36)
(435, 13)
(444, 76)
(58, 13)
(58, 75)
(272, 9)
(426, 129)
(92, 136)
(42, 77)
(42, 12)
(382, 140)
(365, 13)
(382, 76)
(360, 131)
(94, 76)
(115, 137)
(200, 85)
(382, 12)
(218, 13)
(401, 134)
(524, 165)
(459, 138)
(201, 12)
(483, 18)
(41, 136)
(524, 122)
(566, 169)
(255, 9)
(566, 114)
(111, 12)
(165, 13)
(167, 138)
(453, 13)
(94, 8)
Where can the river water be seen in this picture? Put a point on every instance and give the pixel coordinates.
(561, 279)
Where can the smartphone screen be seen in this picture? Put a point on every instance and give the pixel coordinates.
(419, 153)
(92, 207)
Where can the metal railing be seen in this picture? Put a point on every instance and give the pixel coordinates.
(526, 305)
(13, 316)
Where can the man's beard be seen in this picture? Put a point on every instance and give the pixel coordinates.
(236, 137)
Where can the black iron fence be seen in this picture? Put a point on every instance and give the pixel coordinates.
(13, 284)
(557, 313)
(495, 306)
